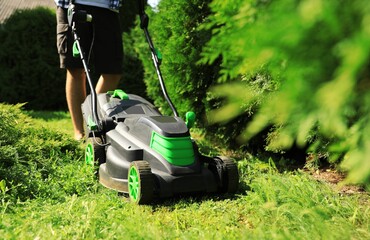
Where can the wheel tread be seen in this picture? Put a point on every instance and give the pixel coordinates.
(231, 175)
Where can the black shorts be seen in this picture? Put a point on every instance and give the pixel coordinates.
(101, 40)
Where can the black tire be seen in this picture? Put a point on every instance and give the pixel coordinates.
(226, 172)
(140, 182)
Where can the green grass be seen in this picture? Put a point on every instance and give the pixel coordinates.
(58, 121)
(283, 206)
(269, 205)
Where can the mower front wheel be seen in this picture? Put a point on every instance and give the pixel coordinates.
(140, 182)
(94, 152)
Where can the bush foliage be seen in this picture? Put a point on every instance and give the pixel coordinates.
(29, 63)
(294, 69)
(316, 54)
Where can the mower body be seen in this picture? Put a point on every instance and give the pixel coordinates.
(134, 134)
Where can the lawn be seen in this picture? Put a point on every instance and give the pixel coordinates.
(69, 203)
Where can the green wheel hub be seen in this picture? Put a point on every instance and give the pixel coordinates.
(134, 184)
(94, 153)
(89, 154)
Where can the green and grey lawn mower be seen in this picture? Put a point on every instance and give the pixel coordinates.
(140, 152)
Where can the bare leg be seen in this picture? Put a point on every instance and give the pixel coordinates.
(107, 82)
(76, 94)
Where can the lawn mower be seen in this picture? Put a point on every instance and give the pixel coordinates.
(140, 152)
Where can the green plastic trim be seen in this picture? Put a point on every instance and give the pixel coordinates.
(159, 55)
(118, 93)
(91, 124)
(177, 151)
(133, 184)
(190, 119)
(89, 154)
(75, 51)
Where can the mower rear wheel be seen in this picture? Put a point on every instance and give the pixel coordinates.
(140, 182)
(226, 171)
(94, 152)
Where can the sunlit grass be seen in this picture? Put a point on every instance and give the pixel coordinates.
(279, 206)
(59, 121)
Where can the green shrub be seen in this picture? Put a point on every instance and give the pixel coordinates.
(29, 63)
(317, 56)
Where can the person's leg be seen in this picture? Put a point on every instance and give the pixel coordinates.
(108, 49)
(107, 82)
(75, 75)
(76, 94)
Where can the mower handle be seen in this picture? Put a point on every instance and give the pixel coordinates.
(75, 15)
